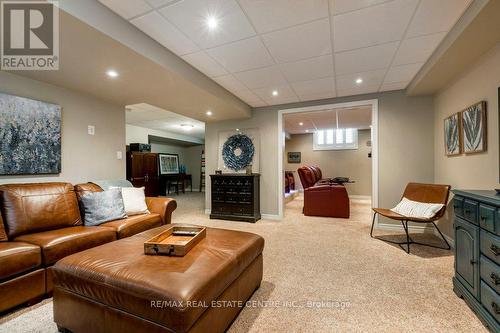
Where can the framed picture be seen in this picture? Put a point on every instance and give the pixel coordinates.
(169, 164)
(30, 133)
(452, 135)
(294, 157)
(474, 128)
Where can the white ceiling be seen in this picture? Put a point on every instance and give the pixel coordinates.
(304, 49)
(358, 117)
(149, 116)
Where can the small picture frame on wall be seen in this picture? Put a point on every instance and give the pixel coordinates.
(473, 124)
(453, 135)
(294, 157)
(169, 164)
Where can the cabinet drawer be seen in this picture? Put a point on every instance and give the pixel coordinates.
(242, 210)
(490, 273)
(470, 210)
(458, 206)
(490, 246)
(490, 300)
(487, 217)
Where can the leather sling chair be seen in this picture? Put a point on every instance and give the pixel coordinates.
(428, 193)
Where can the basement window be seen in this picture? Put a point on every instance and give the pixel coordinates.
(335, 139)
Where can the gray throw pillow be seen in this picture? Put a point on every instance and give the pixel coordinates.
(100, 207)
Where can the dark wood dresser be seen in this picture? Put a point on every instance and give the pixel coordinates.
(477, 253)
(235, 197)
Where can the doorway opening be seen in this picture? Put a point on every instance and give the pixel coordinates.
(341, 139)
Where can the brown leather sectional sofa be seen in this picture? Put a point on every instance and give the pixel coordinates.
(42, 223)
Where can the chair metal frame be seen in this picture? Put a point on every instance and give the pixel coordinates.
(404, 221)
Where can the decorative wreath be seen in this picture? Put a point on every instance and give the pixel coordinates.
(238, 151)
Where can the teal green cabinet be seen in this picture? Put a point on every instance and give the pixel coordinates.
(467, 255)
(477, 253)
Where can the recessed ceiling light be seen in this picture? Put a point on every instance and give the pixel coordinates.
(209, 113)
(301, 124)
(187, 127)
(212, 22)
(359, 80)
(237, 130)
(307, 131)
(275, 92)
(112, 73)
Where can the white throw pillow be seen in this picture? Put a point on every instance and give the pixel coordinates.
(134, 200)
(417, 209)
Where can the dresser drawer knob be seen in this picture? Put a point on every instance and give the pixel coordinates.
(495, 279)
(495, 249)
(495, 307)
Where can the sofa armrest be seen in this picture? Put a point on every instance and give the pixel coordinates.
(162, 206)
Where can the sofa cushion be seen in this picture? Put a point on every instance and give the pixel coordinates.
(119, 275)
(17, 258)
(3, 235)
(29, 208)
(134, 224)
(102, 207)
(57, 244)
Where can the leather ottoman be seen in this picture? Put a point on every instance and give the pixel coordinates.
(117, 288)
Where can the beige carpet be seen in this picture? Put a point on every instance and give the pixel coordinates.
(358, 284)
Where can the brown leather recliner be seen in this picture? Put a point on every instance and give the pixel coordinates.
(321, 197)
(41, 223)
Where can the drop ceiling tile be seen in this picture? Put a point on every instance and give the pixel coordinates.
(417, 49)
(190, 17)
(300, 42)
(205, 63)
(158, 28)
(272, 15)
(394, 86)
(262, 77)
(309, 69)
(285, 95)
(357, 91)
(372, 78)
(242, 55)
(365, 59)
(318, 96)
(230, 83)
(343, 6)
(161, 3)
(402, 73)
(373, 25)
(436, 16)
(314, 87)
(127, 8)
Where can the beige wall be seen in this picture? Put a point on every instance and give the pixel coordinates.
(84, 157)
(406, 145)
(352, 163)
(478, 171)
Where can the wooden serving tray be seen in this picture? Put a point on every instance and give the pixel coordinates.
(175, 241)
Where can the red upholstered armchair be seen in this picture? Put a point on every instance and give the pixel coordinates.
(322, 198)
(326, 200)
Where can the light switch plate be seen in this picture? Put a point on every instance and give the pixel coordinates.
(91, 130)
(119, 155)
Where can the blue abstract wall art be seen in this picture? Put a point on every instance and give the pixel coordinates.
(30, 136)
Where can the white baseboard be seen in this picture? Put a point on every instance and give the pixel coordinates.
(207, 211)
(417, 229)
(270, 217)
